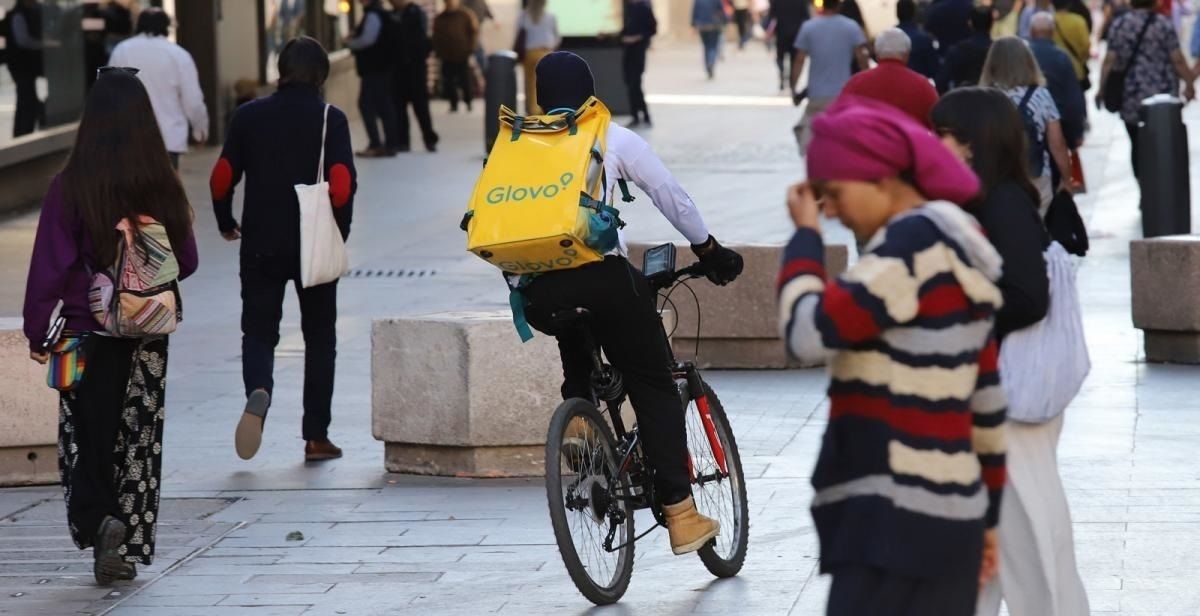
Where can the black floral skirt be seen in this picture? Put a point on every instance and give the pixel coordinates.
(110, 442)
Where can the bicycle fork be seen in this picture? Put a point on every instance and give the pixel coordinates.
(696, 393)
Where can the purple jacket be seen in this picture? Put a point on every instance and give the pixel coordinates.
(57, 270)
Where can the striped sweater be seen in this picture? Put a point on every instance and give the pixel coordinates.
(911, 467)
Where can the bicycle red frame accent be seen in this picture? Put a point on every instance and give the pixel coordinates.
(711, 430)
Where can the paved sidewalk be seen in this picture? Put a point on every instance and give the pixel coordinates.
(374, 543)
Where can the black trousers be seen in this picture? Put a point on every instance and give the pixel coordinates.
(377, 107)
(785, 56)
(96, 417)
(742, 18)
(625, 323)
(862, 589)
(456, 80)
(633, 62)
(1132, 129)
(30, 112)
(411, 89)
(264, 279)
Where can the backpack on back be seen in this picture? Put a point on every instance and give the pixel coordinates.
(1037, 145)
(540, 204)
(138, 296)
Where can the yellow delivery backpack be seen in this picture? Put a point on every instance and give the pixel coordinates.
(540, 204)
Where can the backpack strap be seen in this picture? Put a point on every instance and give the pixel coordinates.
(1029, 92)
(626, 196)
(518, 126)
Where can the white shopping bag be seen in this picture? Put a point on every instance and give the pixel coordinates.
(1043, 366)
(322, 250)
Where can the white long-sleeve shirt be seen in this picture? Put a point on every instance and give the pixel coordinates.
(629, 157)
(169, 74)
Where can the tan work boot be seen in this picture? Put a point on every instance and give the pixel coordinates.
(578, 435)
(688, 529)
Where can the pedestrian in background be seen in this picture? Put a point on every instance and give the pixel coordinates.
(539, 27)
(964, 63)
(483, 14)
(1038, 574)
(788, 16)
(743, 20)
(892, 82)
(170, 77)
(905, 509)
(23, 36)
(1158, 68)
(1027, 13)
(374, 46)
(850, 9)
(709, 19)
(111, 423)
(924, 57)
(276, 142)
(947, 21)
(639, 28)
(455, 38)
(1072, 35)
(411, 87)
(1060, 79)
(1012, 69)
(833, 41)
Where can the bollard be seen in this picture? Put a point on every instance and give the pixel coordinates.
(1163, 167)
(501, 89)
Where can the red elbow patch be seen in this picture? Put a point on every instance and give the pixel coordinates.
(339, 185)
(221, 180)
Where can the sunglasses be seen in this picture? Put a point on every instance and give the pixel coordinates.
(109, 69)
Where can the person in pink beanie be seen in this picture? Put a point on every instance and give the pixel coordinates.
(912, 464)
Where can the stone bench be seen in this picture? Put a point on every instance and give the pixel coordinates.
(28, 414)
(458, 394)
(1165, 275)
(739, 323)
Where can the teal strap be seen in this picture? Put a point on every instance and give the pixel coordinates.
(516, 301)
(518, 125)
(625, 195)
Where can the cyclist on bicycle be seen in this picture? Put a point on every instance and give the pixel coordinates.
(624, 317)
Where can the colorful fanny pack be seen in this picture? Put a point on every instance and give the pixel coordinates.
(67, 362)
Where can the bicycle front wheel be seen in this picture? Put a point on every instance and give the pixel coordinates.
(588, 499)
(719, 489)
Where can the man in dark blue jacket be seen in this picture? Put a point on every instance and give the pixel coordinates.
(1060, 78)
(947, 22)
(276, 143)
(964, 63)
(924, 57)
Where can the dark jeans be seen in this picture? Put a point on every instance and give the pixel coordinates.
(30, 112)
(785, 54)
(742, 18)
(411, 89)
(634, 64)
(96, 420)
(862, 589)
(376, 105)
(456, 78)
(711, 39)
(1132, 129)
(264, 279)
(625, 323)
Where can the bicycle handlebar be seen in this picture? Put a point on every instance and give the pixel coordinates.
(664, 280)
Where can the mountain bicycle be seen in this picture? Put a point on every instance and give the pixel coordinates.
(596, 482)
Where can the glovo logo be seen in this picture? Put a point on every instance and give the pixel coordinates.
(565, 260)
(515, 194)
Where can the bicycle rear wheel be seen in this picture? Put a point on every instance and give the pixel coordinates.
(719, 494)
(586, 498)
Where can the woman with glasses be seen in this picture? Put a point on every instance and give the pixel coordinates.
(111, 421)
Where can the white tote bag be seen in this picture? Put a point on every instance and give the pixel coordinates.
(322, 250)
(1042, 367)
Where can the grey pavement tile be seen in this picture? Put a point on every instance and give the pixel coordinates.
(272, 610)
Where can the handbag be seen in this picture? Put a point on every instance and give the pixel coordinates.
(1043, 366)
(67, 362)
(323, 256)
(1066, 225)
(1114, 88)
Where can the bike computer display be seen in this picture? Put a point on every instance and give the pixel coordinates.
(659, 260)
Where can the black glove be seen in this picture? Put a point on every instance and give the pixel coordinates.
(722, 264)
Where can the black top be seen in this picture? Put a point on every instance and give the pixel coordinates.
(276, 142)
(379, 57)
(1010, 219)
(412, 34)
(640, 21)
(789, 15)
(964, 63)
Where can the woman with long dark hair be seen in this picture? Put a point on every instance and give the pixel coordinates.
(1037, 553)
(111, 422)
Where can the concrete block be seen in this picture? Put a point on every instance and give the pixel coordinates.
(1165, 274)
(1172, 347)
(738, 324)
(458, 394)
(28, 414)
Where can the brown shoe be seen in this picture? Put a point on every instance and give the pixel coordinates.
(315, 451)
(248, 436)
(688, 529)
